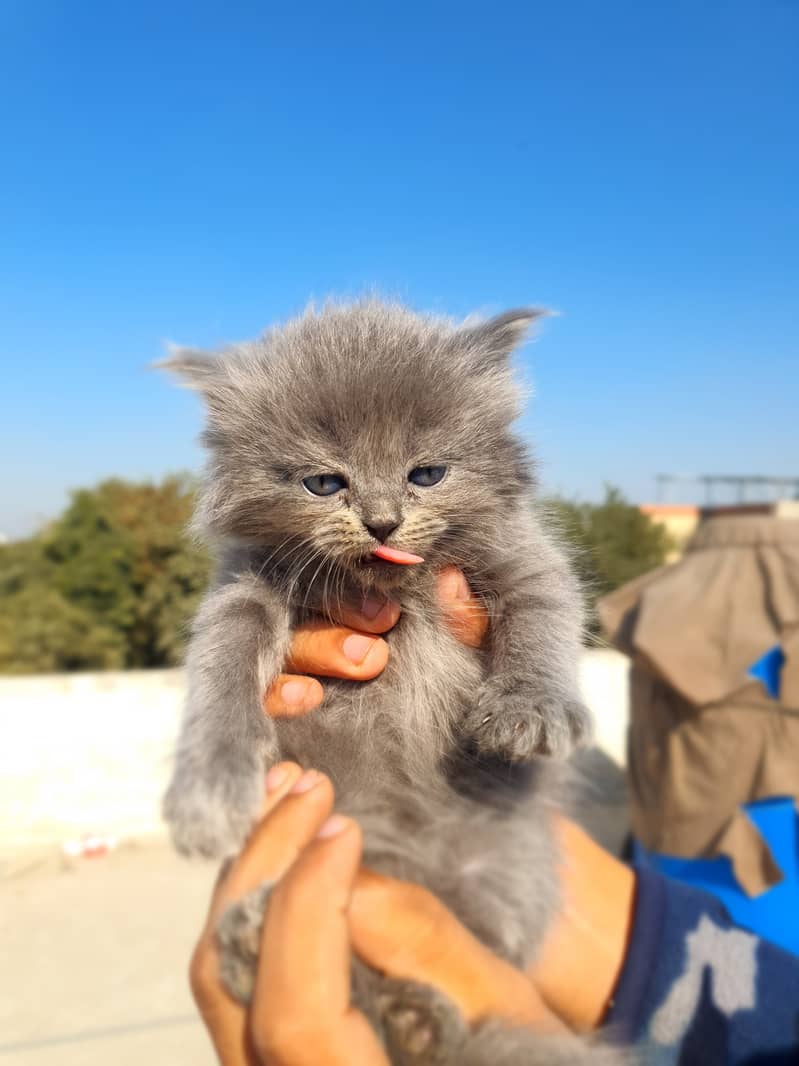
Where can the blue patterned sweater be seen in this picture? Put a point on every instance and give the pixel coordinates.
(697, 990)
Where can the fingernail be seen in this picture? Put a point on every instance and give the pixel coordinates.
(293, 693)
(275, 778)
(306, 782)
(357, 647)
(372, 606)
(332, 827)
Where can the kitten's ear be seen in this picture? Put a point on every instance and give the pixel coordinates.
(194, 369)
(493, 341)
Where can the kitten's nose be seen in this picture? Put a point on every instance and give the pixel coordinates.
(382, 529)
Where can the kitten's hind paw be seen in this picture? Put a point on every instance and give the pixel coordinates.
(422, 1027)
(518, 724)
(238, 935)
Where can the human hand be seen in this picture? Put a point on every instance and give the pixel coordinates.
(321, 906)
(354, 649)
(300, 1013)
(598, 891)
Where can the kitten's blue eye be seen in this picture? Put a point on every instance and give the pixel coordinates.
(427, 475)
(324, 484)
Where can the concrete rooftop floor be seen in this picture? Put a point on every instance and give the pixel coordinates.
(95, 951)
(94, 960)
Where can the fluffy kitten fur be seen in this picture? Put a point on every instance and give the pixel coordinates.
(441, 758)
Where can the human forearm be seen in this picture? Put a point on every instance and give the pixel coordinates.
(590, 933)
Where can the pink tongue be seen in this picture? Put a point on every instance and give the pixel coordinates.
(394, 555)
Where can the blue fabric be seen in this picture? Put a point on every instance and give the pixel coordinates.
(696, 990)
(774, 914)
(768, 669)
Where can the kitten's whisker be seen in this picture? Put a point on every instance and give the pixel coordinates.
(281, 545)
(311, 559)
(325, 556)
(295, 555)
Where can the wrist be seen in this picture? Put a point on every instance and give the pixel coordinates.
(485, 987)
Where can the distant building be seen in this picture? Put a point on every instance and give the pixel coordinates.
(681, 519)
(678, 519)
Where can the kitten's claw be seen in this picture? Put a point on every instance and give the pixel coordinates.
(518, 725)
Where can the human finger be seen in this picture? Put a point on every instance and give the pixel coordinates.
(465, 613)
(292, 695)
(290, 819)
(270, 850)
(336, 651)
(301, 1013)
(374, 614)
(304, 801)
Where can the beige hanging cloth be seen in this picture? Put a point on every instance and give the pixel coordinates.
(705, 737)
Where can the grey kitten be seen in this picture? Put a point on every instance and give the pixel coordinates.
(350, 430)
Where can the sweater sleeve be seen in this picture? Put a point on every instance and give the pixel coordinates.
(695, 989)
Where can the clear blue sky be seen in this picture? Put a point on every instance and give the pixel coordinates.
(195, 170)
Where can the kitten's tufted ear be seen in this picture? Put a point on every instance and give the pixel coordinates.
(493, 341)
(194, 369)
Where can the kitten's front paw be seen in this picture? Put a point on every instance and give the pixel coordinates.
(517, 722)
(212, 816)
(422, 1027)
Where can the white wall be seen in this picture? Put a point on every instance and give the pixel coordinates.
(84, 753)
(603, 682)
(89, 753)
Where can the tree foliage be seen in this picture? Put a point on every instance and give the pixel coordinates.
(110, 584)
(612, 542)
(113, 582)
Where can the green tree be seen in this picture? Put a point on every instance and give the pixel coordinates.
(112, 583)
(612, 542)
